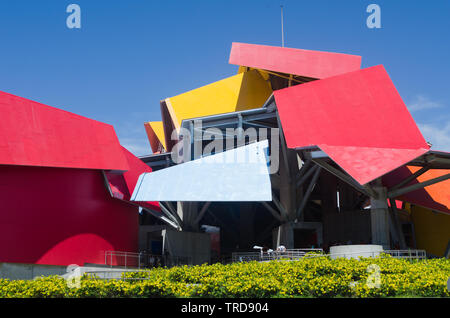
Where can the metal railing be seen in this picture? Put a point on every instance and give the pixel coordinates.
(130, 260)
(295, 254)
(407, 254)
(118, 275)
(143, 260)
(400, 254)
(289, 254)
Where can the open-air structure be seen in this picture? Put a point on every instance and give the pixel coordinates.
(300, 148)
(353, 168)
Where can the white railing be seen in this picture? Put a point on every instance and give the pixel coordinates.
(295, 254)
(401, 254)
(275, 255)
(126, 260)
(407, 254)
(114, 274)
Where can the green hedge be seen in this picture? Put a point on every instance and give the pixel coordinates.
(310, 277)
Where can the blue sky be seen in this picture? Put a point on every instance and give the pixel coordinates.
(129, 55)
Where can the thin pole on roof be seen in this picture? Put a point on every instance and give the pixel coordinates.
(282, 28)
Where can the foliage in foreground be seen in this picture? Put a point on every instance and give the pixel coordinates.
(309, 277)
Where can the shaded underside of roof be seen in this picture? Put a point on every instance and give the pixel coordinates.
(434, 197)
(122, 184)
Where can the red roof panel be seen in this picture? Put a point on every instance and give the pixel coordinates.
(357, 118)
(369, 163)
(307, 63)
(34, 134)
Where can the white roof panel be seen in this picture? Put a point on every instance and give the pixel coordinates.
(240, 174)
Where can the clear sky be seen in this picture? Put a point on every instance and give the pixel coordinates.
(128, 55)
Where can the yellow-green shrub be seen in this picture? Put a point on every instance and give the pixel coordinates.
(309, 277)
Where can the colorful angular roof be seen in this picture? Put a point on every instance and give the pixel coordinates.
(239, 92)
(306, 63)
(34, 134)
(122, 184)
(357, 118)
(155, 134)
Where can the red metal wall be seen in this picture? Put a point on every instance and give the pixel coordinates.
(61, 216)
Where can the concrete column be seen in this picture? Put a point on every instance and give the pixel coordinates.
(379, 216)
(396, 227)
(283, 235)
(288, 191)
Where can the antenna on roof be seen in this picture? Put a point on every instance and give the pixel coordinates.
(282, 29)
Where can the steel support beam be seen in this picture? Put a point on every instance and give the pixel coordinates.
(202, 212)
(410, 178)
(283, 145)
(170, 209)
(399, 192)
(280, 207)
(306, 176)
(303, 169)
(397, 225)
(163, 218)
(172, 217)
(272, 211)
(308, 192)
(365, 190)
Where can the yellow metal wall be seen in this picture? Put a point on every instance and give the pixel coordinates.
(432, 229)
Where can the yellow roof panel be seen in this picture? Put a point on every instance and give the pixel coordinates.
(246, 90)
(155, 133)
